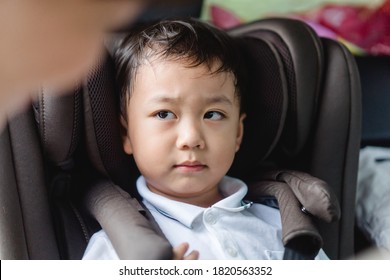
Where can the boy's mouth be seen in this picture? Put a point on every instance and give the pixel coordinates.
(190, 166)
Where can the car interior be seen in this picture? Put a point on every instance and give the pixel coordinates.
(64, 175)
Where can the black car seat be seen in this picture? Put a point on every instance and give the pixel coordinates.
(62, 161)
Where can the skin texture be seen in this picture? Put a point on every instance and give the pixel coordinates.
(183, 128)
(52, 43)
(180, 251)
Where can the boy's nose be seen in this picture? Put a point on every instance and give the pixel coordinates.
(190, 136)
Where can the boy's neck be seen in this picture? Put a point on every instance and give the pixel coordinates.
(204, 200)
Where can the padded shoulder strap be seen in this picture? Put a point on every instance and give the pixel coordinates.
(301, 198)
(132, 235)
(296, 226)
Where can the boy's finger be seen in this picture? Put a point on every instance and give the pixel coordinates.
(179, 251)
(194, 255)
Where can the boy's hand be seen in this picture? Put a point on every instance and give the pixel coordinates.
(180, 250)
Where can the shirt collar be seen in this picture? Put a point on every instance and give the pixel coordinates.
(232, 189)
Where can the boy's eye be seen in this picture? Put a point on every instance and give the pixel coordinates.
(165, 115)
(213, 115)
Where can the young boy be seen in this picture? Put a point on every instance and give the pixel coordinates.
(181, 88)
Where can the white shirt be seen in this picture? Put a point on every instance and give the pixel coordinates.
(229, 229)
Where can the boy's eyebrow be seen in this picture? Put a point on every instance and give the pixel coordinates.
(219, 99)
(211, 100)
(163, 99)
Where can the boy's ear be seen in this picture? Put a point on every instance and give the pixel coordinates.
(125, 138)
(240, 131)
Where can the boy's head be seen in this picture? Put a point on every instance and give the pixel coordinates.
(181, 107)
(190, 41)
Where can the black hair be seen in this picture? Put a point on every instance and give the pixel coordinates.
(191, 40)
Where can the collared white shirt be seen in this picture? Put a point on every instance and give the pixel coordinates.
(229, 229)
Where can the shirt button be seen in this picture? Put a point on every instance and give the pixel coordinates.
(231, 251)
(210, 219)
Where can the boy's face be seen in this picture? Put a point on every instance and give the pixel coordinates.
(184, 128)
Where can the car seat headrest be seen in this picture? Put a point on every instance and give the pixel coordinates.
(91, 105)
(103, 131)
(298, 51)
(265, 103)
(58, 116)
(283, 59)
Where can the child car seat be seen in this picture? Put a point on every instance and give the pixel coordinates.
(321, 132)
(57, 178)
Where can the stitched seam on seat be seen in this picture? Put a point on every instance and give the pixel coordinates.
(43, 118)
(79, 218)
(75, 127)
